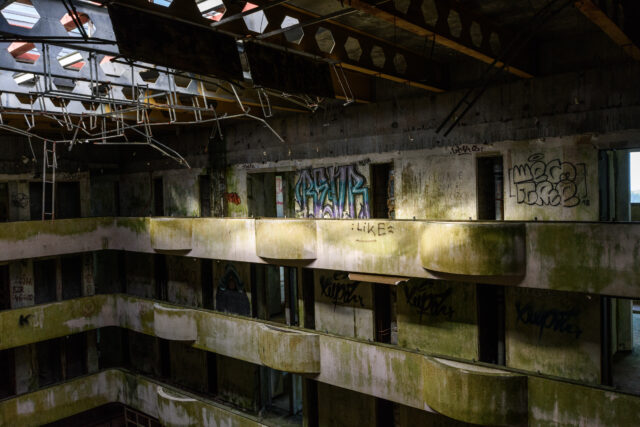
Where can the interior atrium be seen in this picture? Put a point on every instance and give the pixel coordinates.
(319, 213)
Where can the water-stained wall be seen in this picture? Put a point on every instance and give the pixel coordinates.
(343, 306)
(554, 333)
(438, 317)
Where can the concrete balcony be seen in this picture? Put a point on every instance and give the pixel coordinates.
(599, 258)
(286, 240)
(170, 405)
(288, 350)
(174, 323)
(466, 391)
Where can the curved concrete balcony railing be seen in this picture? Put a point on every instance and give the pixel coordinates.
(475, 394)
(174, 324)
(598, 258)
(288, 350)
(171, 234)
(488, 250)
(170, 405)
(292, 239)
(464, 391)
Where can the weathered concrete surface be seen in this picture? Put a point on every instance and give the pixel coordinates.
(293, 240)
(474, 249)
(289, 351)
(600, 258)
(173, 324)
(491, 396)
(171, 234)
(438, 317)
(172, 406)
(555, 333)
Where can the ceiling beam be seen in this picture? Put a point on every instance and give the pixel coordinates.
(354, 50)
(610, 22)
(448, 24)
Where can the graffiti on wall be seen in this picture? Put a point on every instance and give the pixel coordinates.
(427, 301)
(231, 296)
(340, 290)
(332, 192)
(540, 182)
(232, 198)
(560, 321)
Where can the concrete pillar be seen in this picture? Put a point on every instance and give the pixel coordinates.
(21, 283)
(19, 201)
(26, 368)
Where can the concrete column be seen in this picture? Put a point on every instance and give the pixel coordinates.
(21, 283)
(26, 369)
(19, 201)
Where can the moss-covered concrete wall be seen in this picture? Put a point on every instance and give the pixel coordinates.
(342, 306)
(136, 195)
(555, 333)
(438, 317)
(338, 407)
(181, 192)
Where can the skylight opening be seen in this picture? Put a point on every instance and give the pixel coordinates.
(212, 9)
(21, 13)
(24, 52)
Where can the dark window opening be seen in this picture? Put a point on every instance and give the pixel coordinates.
(5, 283)
(212, 372)
(71, 271)
(44, 280)
(490, 188)
(385, 412)
(158, 197)
(206, 266)
(380, 180)
(75, 354)
(4, 202)
(35, 199)
(67, 200)
(491, 329)
(49, 363)
(7, 373)
(161, 276)
(204, 186)
(111, 414)
(113, 347)
(382, 312)
(308, 298)
(116, 197)
(311, 402)
(165, 358)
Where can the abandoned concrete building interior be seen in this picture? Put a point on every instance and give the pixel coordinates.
(319, 212)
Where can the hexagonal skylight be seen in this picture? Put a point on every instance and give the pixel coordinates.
(256, 21)
(211, 9)
(164, 3)
(325, 40)
(294, 35)
(24, 52)
(72, 27)
(20, 13)
(71, 59)
(114, 69)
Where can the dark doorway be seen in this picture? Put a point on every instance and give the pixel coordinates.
(165, 357)
(308, 298)
(161, 276)
(158, 197)
(490, 188)
(4, 202)
(5, 294)
(204, 185)
(71, 269)
(311, 402)
(49, 364)
(384, 412)
(212, 372)
(113, 347)
(7, 373)
(75, 354)
(380, 179)
(44, 280)
(382, 311)
(35, 199)
(206, 266)
(491, 347)
(67, 200)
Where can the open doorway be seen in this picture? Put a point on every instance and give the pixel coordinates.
(490, 188)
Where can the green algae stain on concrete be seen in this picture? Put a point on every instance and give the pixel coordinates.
(17, 231)
(137, 225)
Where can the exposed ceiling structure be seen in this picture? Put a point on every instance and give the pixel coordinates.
(118, 72)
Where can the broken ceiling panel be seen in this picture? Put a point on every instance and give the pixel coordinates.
(291, 73)
(176, 44)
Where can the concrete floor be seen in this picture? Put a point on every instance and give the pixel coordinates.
(626, 365)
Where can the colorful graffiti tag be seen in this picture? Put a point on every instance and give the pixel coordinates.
(332, 192)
